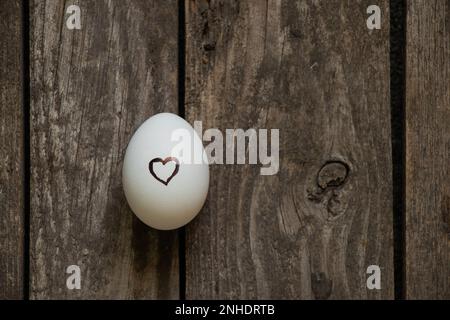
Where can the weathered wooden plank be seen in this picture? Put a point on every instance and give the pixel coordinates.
(315, 71)
(91, 88)
(11, 151)
(428, 150)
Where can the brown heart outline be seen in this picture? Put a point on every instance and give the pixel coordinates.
(168, 159)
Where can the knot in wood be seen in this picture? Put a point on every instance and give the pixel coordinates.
(321, 286)
(209, 46)
(332, 174)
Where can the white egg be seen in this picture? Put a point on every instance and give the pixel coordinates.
(165, 172)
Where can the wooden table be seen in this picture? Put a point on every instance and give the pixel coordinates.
(364, 119)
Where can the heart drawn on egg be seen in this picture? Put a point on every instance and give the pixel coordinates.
(164, 162)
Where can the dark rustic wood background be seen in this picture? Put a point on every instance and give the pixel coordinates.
(71, 99)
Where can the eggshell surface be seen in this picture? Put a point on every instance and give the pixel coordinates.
(165, 172)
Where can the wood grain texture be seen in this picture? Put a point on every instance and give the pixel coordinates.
(11, 151)
(428, 150)
(313, 70)
(91, 89)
